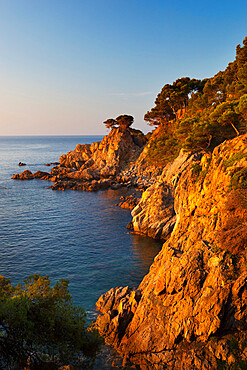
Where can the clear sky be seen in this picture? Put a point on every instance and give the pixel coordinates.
(66, 66)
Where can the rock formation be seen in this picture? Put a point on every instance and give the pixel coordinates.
(155, 215)
(98, 166)
(128, 202)
(190, 310)
(28, 175)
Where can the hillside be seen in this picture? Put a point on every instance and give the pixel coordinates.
(190, 310)
(192, 306)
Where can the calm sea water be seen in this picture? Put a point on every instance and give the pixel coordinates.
(76, 235)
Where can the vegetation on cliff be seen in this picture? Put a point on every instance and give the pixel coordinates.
(124, 121)
(190, 310)
(39, 325)
(200, 114)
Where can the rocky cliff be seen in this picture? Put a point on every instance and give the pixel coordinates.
(190, 311)
(117, 151)
(101, 165)
(155, 215)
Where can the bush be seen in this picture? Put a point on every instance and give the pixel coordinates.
(162, 149)
(39, 323)
(239, 178)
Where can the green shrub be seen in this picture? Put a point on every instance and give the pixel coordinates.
(162, 150)
(198, 173)
(234, 158)
(239, 179)
(196, 169)
(39, 323)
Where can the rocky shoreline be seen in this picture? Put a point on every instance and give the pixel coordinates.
(110, 163)
(190, 310)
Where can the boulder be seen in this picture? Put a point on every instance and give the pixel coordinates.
(25, 175)
(128, 202)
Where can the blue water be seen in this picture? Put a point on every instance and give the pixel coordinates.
(76, 235)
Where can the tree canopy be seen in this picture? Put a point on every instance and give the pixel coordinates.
(200, 114)
(172, 99)
(110, 122)
(39, 323)
(123, 121)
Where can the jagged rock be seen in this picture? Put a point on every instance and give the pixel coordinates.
(130, 226)
(128, 202)
(106, 158)
(118, 306)
(28, 175)
(76, 158)
(94, 167)
(196, 289)
(155, 215)
(25, 175)
(41, 175)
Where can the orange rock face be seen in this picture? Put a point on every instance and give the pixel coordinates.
(196, 289)
(25, 175)
(97, 166)
(107, 158)
(28, 175)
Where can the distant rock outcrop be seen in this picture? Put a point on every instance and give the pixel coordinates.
(191, 310)
(28, 175)
(116, 152)
(98, 166)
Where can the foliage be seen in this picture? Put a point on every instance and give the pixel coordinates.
(234, 347)
(172, 99)
(110, 123)
(196, 169)
(123, 121)
(162, 149)
(234, 158)
(39, 322)
(200, 114)
(239, 178)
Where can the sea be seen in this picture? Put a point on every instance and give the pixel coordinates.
(68, 234)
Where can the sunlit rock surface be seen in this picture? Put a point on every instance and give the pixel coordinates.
(97, 166)
(192, 305)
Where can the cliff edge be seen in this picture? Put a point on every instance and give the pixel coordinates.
(190, 310)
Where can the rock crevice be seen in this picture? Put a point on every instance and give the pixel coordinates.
(196, 289)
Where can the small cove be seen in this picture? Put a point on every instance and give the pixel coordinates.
(76, 235)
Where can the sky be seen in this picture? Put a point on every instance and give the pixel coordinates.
(67, 66)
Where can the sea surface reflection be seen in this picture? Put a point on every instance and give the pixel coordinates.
(75, 235)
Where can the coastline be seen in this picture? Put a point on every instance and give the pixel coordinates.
(167, 318)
